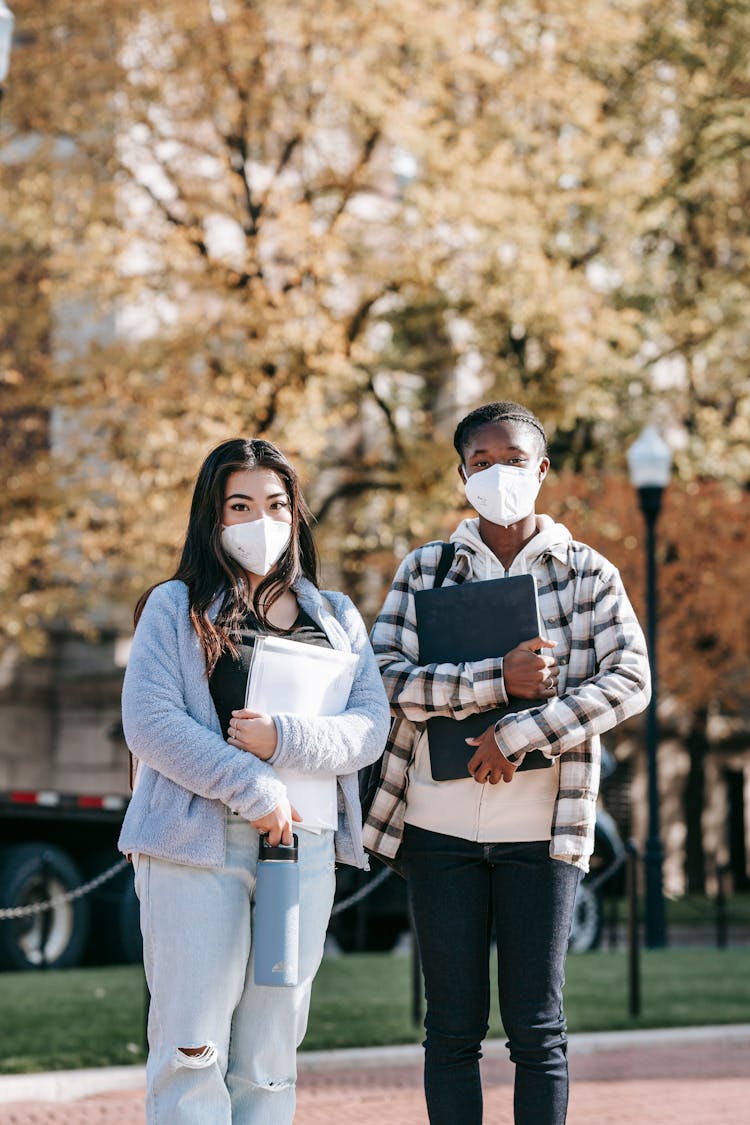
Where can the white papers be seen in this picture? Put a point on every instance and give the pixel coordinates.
(289, 677)
(298, 679)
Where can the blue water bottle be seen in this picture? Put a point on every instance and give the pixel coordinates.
(276, 933)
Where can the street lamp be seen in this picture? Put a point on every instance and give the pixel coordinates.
(6, 38)
(650, 463)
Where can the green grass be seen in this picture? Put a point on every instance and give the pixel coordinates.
(680, 987)
(71, 1018)
(94, 1017)
(699, 910)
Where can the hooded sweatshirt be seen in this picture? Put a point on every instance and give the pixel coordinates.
(502, 813)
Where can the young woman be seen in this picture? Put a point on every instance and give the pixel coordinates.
(208, 784)
(503, 843)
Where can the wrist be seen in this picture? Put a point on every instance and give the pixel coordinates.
(511, 756)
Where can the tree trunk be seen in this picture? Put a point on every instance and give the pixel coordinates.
(697, 746)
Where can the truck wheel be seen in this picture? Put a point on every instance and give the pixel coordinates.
(115, 935)
(586, 932)
(55, 939)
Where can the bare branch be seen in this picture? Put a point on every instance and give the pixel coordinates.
(190, 229)
(351, 184)
(353, 488)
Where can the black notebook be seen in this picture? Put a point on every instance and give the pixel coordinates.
(474, 621)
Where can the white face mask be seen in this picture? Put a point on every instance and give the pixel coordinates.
(503, 494)
(257, 545)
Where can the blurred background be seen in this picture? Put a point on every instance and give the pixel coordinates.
(340, 225)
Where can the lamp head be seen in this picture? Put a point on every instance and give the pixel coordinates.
(649, 460)
(6, 38)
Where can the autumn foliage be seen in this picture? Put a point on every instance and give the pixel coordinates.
(343, 224)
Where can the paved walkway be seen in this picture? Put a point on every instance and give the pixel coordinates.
(690, 1076)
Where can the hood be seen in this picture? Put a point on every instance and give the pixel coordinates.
(551, 538)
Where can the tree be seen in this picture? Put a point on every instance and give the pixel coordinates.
(704, 628)
(680, 106)
(340, 226)
(245, 236)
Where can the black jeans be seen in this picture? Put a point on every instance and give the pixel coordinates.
(456, 889)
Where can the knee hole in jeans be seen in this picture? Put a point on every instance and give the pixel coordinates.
(195, 1057)
(275, 1085)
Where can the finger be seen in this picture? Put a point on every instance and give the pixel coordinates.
(473, 741)
(286, 835)
(476, 773)
(474, 763)
(537, 643)
(295, 814)
(481, 772)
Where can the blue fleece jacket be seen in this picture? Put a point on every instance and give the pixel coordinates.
(188, 776)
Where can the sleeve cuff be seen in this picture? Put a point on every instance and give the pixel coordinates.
(509, 738)
(274, 759)
(489, 686)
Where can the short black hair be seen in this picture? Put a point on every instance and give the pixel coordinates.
(498, 412)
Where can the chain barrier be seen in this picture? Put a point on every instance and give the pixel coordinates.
(79, 892)
(363, 892)
(68, 896)
(595, 881)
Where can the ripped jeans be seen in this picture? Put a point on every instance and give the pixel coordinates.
(197, 928)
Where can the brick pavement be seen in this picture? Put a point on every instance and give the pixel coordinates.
(688, 1077)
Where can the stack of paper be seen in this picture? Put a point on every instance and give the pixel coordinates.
(289, 677)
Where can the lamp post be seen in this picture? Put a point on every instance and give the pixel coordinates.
(650, 463)
(6, 38)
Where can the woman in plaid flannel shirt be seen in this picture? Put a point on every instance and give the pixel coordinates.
(502, 849)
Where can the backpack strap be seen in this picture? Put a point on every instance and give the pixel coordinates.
(445, 563)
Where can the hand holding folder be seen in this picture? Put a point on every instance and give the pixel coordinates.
(467, 622)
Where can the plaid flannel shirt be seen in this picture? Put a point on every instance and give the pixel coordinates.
(604, 679)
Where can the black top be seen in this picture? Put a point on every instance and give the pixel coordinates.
(228, 683)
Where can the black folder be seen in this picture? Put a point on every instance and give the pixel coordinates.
(474, 621)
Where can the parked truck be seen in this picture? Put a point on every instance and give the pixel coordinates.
(61, 849)
(63, 792)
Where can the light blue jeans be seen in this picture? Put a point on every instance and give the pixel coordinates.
(197, 928)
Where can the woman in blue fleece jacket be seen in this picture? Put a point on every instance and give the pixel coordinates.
(210, 779)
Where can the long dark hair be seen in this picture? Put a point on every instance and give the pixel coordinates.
(206, 569)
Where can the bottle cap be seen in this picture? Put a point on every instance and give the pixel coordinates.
(278, 851)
